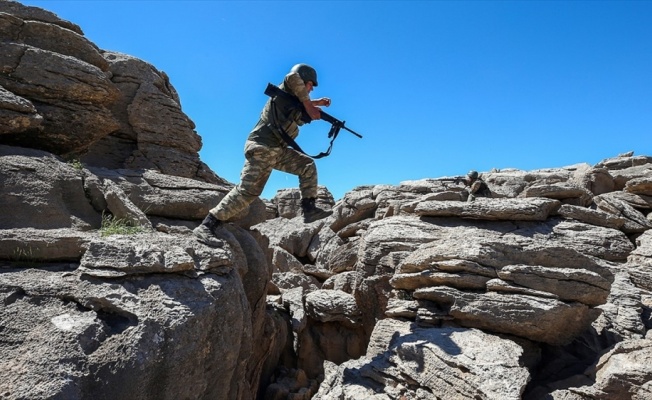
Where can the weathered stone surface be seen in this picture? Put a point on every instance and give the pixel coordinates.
(175, 197)
(401, 308)
(631, 168)
(288, 201)
(624, 161)
(354, 229)
(555, 191)
(624, 373)
(567, 284)
(332, 253)
(29, 13)
(122, 255)
(508, 182)
(52, 37)
(642, 254)
(635, 221)
(388, 241)
(539, 319)
(448, 362)
(595, 180)
(291, 383)
(593, 217)
(121, 207)
(372, 295)
(322, 244)
(499, 285)
(353, 207)
(422, 186)
(332, 305)
(328, 341)
(68, 84)
(422, 260)
(314, 341)
(434, 278)
(639, 262)
(283, 261)
(555, 243)
(17, 114)
(321, 274)
(42, 192)
(345, 281)
(57, 327)
(126, 113)
(638, 201)
(641, 185)
(290, 280)
(530, 209)
(29, 245)
(292, 300)
(621, 315)
(290, 234)
(151, 117)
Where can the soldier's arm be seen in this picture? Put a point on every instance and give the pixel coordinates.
(324, 101)
(295, 85)
(475, 186)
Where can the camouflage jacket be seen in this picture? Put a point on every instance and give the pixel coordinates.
(279, 113)
(479, 188)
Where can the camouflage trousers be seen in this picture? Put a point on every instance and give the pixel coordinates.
(260, 160)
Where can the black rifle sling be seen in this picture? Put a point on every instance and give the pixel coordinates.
(292, 143)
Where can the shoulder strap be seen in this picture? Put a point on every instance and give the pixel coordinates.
(292, 143)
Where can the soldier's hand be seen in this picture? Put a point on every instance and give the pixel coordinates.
(324, 101)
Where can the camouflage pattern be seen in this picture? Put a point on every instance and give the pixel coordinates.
(280, 114)
(259, 163)
(294, 84)
(478, 188)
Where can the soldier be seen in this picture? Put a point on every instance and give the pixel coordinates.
(266, 150)
(477, 187)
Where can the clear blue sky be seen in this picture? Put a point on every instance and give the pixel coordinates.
(435, 87)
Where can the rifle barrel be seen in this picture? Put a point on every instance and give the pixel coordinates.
(330, 119)
(350, 130)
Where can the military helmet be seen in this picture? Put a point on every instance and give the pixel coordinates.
(306, 72)
(472, 174)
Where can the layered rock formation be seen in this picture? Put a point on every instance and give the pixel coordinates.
(86, 137)
(406, 292)
(550, 264)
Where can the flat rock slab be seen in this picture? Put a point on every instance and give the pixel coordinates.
(151, 253)
(529, 209)
(535, 318)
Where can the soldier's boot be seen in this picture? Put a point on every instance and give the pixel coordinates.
(207, 231)
(311, 212)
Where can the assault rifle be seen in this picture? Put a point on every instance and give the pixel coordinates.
(336, 124)
(456, 179)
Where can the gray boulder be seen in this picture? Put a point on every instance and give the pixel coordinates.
(437, 363)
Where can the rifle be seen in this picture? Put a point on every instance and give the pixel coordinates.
(336, 124)
(456, 179)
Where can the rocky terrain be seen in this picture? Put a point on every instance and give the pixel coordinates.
(407, 291)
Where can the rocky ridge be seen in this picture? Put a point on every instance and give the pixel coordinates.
(406, 292)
